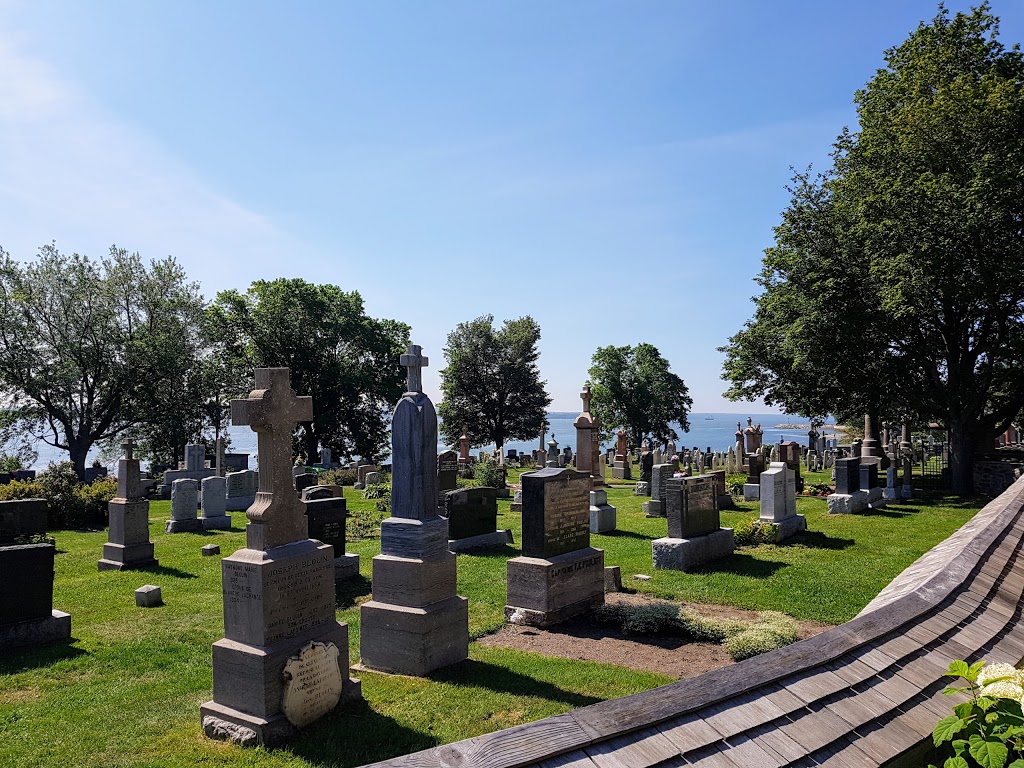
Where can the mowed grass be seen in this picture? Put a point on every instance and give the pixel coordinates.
(127, 691)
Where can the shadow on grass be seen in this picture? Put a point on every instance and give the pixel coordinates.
(25, 659)
(353, 735)
(887, 512)
(348, 591)
(617, 534)
(817, 540)
(480, 674)
(503, 552)
(166, 570)
(743, 565)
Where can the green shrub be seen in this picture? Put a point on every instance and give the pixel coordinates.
(489, 474)
(382, 493)
(734, 485)
(774, 630)
(22, 489)
(364, 524)
(642, 619)
(750, 533)
(707, 629)
(337, 477)
(71, 504)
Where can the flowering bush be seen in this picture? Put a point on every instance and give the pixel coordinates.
(753, 532)
(989, 727)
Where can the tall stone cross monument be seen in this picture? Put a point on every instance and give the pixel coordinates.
(588, 448)
(415, 622)
(128, 546)
(283, 662)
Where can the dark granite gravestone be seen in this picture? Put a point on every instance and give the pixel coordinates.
(847, 475)
(646, 465)
(279, 597)
(471, 512)
(755, 466)
(559, 574)
(304, 481)
(868, 476)
(325, 516)
(556, 512)
(27, 617)
(692, 504)
(447, 478)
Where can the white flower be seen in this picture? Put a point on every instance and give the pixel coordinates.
(996, 670)
(1005, 689)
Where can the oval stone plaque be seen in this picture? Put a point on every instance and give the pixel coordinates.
(312, 684)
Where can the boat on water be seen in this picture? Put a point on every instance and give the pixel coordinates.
(709, 418)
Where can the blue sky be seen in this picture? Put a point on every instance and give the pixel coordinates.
(612, 168)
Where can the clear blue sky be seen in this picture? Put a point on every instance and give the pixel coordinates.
(612, 168)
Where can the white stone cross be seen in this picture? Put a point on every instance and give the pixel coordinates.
(585, 396)
(414, 362)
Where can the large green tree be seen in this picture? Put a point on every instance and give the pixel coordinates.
(80, 341)
(896, 284)
(633, 388)
(491, 383)
(347, 361)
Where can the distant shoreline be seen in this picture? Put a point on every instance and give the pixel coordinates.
(833, 427)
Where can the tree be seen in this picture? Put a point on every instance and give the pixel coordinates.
(78, 340)
(491, 383)
(348, 362)
(633, 388)
(899, 270)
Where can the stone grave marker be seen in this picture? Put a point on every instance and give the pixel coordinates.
(278, 590)
(325, 518)
(304, 480)
(242, 487)
(195, 469)
(311, 687)
(128, 546)
(415, 621)
(659, 474)
(473, 520)
(184, 506)
(27, 615)
(447, 477)
(752, 488)
(778, 501)
(559, 574)
(695, 535)
(214, 504)
(622, 469)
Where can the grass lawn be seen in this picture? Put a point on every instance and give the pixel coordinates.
(127, 691)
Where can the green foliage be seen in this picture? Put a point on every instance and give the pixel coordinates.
(734, 484)
(988, 729)
(489, 474)
(338, 477)
(751, 532)
(72, 504)
(82, 342)
(708, 629)
(347, 361)
(907, 249)
(774, 630)
(491, 383)
(633, 388)
(817, 489)
(640, 619)
(364, 523)
(381, 492)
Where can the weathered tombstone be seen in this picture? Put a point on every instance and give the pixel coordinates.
(361, 472)
(27, 615)
(373, 478)
(278, 595)
(325, 519)
(552, 452)
(622, 469)
(890, 492)
(242, 488)
(778, 501)
(646, 466)
(754, 436)
(415, 622)
(215, 504)
(722, 489)
(695, 535)
(659, 474)
(315, 492)
(184, 507)
(195, 469)
(447, 477)
(517, 501)
(128, 546)
(236, 462)
(559, 574)
(602, 514)
(473, 520)
(752, 488)
(869, 482)
(464, 446)
(219, 457)
(588, 441)
(304, 480)
(907, 491)
(789, 452)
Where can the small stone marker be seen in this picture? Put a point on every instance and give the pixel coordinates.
(184, 506)
(754, 467)
(695, 535)
(304, 481)
(215, 504)
(415, 622)
(602, 514)
(447, 477)
(559, 574)
(279, 591)
(27, 615)
(312, 684)
(612, 578)
(148, 596)
(209, 550)
(778, 501)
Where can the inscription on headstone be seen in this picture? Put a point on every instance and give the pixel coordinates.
(312, 684)
(556, 512)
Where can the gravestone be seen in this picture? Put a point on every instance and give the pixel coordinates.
(646, 466)
(304, 480)
(415, 621)
(789, 452)
(602, 514)
(695, 535)
(242, 487)
(754, 436)
(552, 460)
(517, 501)
(195, 469)
(373, 478)
(473, 520)
(778, 501)
(869, 483)
(27, 616)
(588, 441)
(622, 469)
(278, 590)
(214, 503)
(325, 520)
(361, 472)
(752, 488)
(447, 477)
(659, 474)
(464, 446)
(184, 507)
(128, 546)
(891, 491)
(722, 489)
(559, 574)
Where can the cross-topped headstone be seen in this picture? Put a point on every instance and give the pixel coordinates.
(129, 446)
(272, 410)
(414, 362)
(585, 396)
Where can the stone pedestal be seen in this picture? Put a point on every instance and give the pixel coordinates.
(27, 617)
(545, 591)
(847, 503)
(602, 514)
(129, 546)
(275, 602)
(686, 554)
(751, 492)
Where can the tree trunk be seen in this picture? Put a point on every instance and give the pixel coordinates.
(310, 444)
(78, 448)
(963, 442)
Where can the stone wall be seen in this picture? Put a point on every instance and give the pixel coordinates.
(992, 477)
